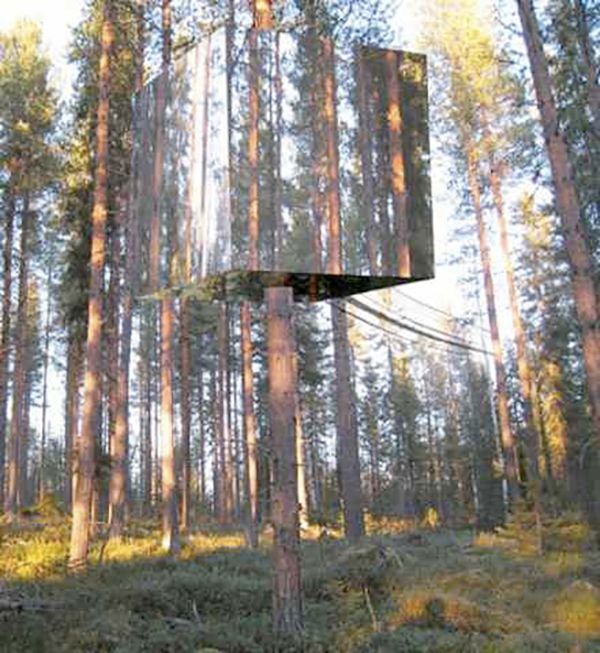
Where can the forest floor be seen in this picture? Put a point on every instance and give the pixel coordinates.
(425, 590)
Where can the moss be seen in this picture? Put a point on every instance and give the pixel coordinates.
(402, 591)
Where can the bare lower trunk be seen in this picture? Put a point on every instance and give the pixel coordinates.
(83, 491)
(300, 465)
(170, 526)
(287, 589)
(249, 426)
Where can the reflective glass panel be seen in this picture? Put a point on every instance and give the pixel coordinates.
(267, 158)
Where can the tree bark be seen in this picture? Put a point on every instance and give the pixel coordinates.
(287, 588)
(17, 434)
(249, 426)
(366, 160)
(262, 14)
(347, 435)
(398, 181)
(580, 259)
(116, 455)
(119, 454)
(300, 463)
(46, 353)
(523, 367)
(224, 427)
(170, 525)
(506, 433)
(74, 375)
(590, 63)
(5, 333)
(92, 398)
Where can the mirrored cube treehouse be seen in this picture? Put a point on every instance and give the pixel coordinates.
(265, 158)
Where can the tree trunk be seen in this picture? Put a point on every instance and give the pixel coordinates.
(224, 427)
(120, 444)
(249, 426)
(262, 14)
(347, 435)
(186, 373)
(287, 589)
(42, 477)
(5, 333)
(398, 181)
(201, 486)
(580, 259)
(17, 434)
(590, 63)
(366, 160)
(116, 456)
(300, 464)
(170, 538)
(170, 525)
(523, 367)
(508, 442)
(92, 398)
(74, 377)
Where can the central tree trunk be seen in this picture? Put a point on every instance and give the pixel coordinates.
(287, 588)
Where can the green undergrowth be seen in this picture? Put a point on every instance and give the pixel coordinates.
(424, 590)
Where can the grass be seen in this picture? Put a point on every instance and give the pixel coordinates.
(419, 590)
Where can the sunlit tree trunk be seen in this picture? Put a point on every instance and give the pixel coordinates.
(347, 434)
(382, 181)
(506, 433)
(287, 588)
(245, 311)
(249, 426)
(92, 397)
(184, 305)
(17, 434)
(398, 181)
(580, 259)
(9, 217)
(366, 159)
(300, 464)
(523, 367)
(120, 443)
(170, 525)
